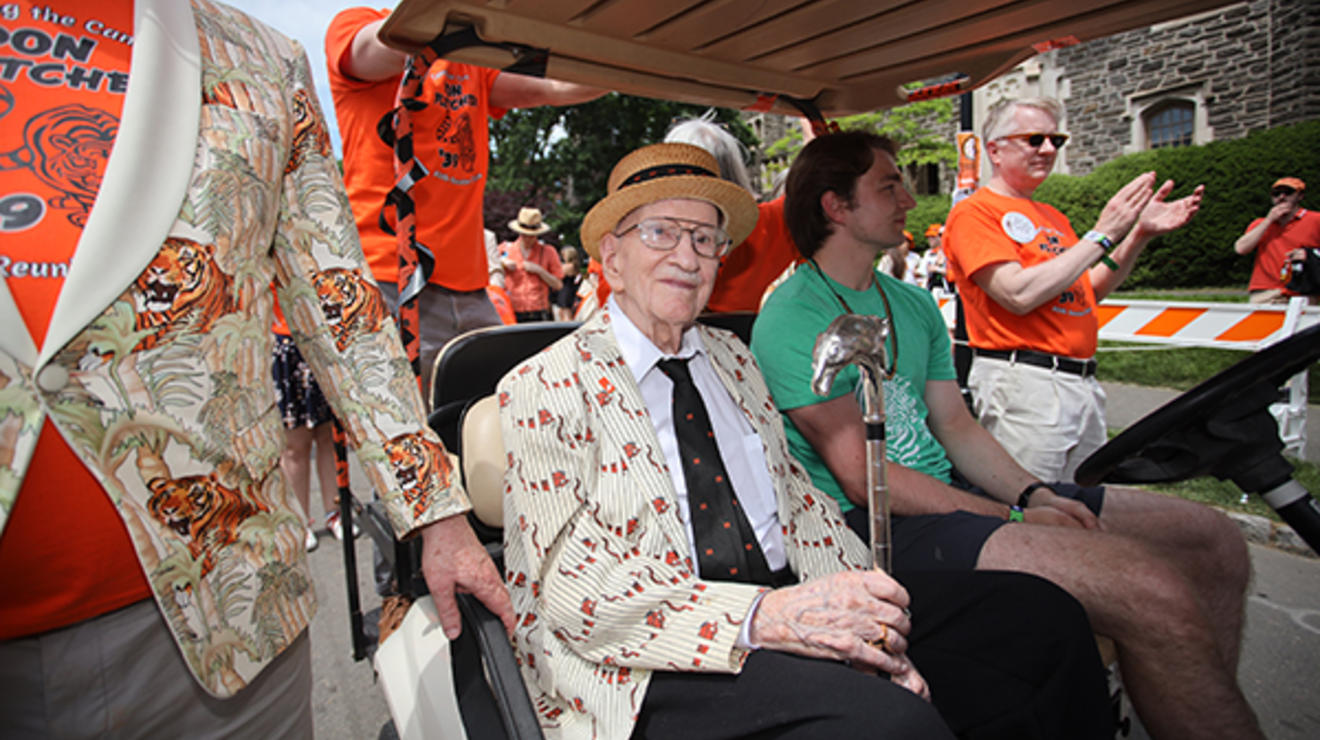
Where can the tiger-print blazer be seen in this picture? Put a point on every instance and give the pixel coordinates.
(597, 557)
(156, 364)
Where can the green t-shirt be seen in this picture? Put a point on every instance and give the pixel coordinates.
(785, 334)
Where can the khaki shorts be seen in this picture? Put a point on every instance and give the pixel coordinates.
(1048, 420)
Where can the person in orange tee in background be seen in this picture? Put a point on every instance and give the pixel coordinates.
(754, 264)
(452, 136)
(1278, 239)
(1030, 288)
(532, 270)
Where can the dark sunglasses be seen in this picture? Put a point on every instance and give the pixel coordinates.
(1282, 190)
(1035, 140)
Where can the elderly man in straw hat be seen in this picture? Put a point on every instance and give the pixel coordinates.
(532, 270)
(675, 574)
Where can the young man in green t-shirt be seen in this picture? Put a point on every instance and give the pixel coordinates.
(1165, 578)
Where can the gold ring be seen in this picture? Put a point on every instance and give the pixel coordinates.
(881, 642)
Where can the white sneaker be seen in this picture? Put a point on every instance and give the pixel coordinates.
(310, 540)
(337, 529)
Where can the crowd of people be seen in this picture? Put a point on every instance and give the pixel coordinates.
(686, 517)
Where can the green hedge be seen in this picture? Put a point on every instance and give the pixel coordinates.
(1237, 175)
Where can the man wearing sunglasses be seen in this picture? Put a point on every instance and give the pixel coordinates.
(1278, 239)
(1030, 287)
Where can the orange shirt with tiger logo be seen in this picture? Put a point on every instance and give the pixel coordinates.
(65, 555)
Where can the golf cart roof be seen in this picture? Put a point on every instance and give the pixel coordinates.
(845, 56)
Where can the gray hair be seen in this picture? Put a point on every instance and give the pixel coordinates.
(1000, 116)
(722, 145)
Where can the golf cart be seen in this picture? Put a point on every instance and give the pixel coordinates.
(810, 58)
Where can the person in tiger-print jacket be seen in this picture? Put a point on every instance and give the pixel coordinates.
(152, 382)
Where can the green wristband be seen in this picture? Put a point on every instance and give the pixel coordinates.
(1015, 514)
(1108, 262)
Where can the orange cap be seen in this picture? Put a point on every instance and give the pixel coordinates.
(1290, 182)
(934, 229)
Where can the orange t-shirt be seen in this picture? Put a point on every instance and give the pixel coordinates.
(452, 141)
(988, 228)
(528, 292)
(65, 555)
(754, 264)
(1301, 232)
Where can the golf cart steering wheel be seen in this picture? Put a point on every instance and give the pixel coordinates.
(1223, 428)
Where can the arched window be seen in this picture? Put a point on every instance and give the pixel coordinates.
(1170, 124)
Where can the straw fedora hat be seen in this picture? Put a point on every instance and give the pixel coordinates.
(529, 222)
(664, 171)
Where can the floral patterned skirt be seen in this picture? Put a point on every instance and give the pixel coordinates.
(300, 399)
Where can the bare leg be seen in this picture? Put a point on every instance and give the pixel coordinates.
(1169, 648)
(325, 466)
(1202, 544)
(296, 460)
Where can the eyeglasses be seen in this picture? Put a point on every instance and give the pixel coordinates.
(664, 234)
(1282, 190)
(1036, 139)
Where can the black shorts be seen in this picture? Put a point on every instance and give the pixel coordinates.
(953, 541)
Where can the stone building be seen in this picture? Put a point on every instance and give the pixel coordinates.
(1222, 74)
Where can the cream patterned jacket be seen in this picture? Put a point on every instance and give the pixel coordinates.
(156, 366)
(597, 557)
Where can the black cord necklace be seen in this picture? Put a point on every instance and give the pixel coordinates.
(889, 312)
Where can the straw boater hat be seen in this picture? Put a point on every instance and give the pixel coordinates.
(529, 222)
(663, 171)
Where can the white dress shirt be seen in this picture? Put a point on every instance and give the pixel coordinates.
(740, 447)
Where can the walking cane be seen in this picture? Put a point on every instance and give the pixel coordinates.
(852, 339)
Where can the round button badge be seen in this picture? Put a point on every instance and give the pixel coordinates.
(1018, 227)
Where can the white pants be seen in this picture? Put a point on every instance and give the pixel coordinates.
(1048, 420)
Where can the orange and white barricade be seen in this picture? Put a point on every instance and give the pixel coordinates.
(1242, 326)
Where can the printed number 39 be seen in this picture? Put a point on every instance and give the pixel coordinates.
(20, 211)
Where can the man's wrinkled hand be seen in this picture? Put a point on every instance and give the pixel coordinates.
(858, 617)
(454, 561)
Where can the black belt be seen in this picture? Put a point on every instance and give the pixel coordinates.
(1084, 368)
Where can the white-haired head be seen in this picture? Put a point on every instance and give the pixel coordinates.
(722, 145)
(999, 119)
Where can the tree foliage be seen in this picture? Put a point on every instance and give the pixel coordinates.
(563, 156)
(918, 129)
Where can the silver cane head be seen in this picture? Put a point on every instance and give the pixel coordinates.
(851, 339)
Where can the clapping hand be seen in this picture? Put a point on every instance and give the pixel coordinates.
(1160, 217)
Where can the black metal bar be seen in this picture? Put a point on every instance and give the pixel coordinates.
(356, 629)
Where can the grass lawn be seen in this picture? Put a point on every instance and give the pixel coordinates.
(1225, 495)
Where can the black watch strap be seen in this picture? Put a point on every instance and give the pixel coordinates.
(1025, 496)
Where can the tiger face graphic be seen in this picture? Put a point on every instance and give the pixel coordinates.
(309, 134)
(421, 467)
(67, 148)
(201, 510)
(182, 287)
(351, 305)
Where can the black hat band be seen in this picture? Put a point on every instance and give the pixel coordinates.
(664, 170)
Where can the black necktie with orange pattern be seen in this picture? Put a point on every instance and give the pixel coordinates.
(727, 549)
